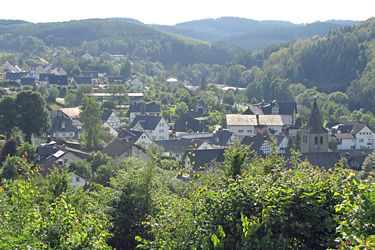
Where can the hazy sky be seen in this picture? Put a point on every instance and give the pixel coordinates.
(170, 12)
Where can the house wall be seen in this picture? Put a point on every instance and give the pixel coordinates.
(347, 144)
(76, 180)
(161, 132)
(133, 152)
(114, 121)
(365, 139)
(143, 140)
(68, 158)
(288, 119)
(240, 130)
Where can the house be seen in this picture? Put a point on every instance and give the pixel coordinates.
(136, 137)
(177, 147)
(172, 81)
(123, 149)
(58, 81)
(71, 112)
(44, 78)
(314, 137)
(286, 109)
(353, 136)
(135, 97)
(144, 109)
(29, 81)
(82, 80)
(191, 121)
(134, 81)
(201, 160)
(14, 77)
(109, 128)
(89, 57)
(93, 75)
(154, 126)
(111, 118)
(116, 80)
(251, 125)
(260, 145)
(221, 139)
(121, 58)
(62, 127)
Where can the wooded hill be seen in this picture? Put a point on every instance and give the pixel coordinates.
(342, 61)
(97, 36)
(251, 34)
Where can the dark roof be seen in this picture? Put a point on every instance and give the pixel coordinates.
(44, 76)
(91, 74)
(325, 160)
(148, 108)
(315, 125)
(285, 108)
(14, 76)
(191, 120)
(255, 142)
(357, 127)
(83, 80)
(129, 135)
(57, 123)
(116, 79)
(350, 127)
(167, 144)
(201, 159)
(58, 79)
(27, 81)
(147, 122)
(221, 137)
(184, 144)
(106, 114)
(117, 147)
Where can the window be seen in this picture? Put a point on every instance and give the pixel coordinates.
(321, 140)
(240, 131)
(77, 178)
(304, 139)
(249, 131)
(315, 140)
(360, 140)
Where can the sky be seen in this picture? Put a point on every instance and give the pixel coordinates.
(171, 12)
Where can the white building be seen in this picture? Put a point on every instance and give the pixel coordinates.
(353, 135)
(154, 126)
(247, 125)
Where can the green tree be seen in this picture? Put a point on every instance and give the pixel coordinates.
(53, 93)
(32, 115)
(91, 117)
(27, 151)
(8, 115)
(126, 68)
(181, 109)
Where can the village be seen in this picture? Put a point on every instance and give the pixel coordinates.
(191, 140)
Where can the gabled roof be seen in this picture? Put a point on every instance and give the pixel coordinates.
(167, 144)
(315, 125)
(83, 80)
(357, 127)
(57, 125)
(344, 136)
(58, 79)
(147, 122)
(117, 147)
(106, 114)
(184, 144)
(71, 112)
(27, 81)
(221, 137)
(148, 108)
(91, 74)
(255, 143)
(130, 135)
(251, 120)
(201, 159)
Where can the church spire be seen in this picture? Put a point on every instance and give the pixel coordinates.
(314, 124)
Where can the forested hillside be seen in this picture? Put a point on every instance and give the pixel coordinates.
(341, 61)
(115, 37)
(251, 34)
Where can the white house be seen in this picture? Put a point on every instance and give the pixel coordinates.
(136, 137)
(122, 149)
(154, 126)
(247, 125)
(134, 81)
(111, 118)
(353, 135)
(118, 57)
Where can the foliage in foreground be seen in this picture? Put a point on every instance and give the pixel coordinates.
(303, 208)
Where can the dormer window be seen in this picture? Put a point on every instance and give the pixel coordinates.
(62, 124)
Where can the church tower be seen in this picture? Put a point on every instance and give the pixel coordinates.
(314, 138)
